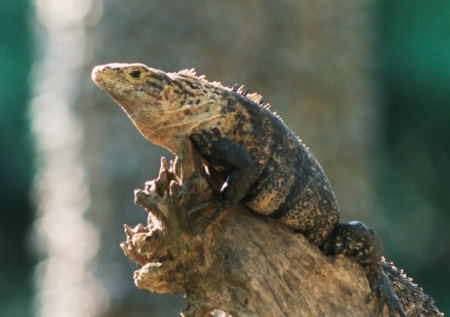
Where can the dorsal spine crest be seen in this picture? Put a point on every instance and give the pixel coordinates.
(240, 89)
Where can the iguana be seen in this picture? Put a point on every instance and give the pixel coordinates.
(265, 165)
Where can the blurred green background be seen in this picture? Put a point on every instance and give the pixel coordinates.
(414, 56)
(16, 159)
(413, 70)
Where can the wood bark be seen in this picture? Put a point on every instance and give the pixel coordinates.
(240, 264)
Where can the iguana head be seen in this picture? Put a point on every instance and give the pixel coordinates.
(136, 87)
(163, 106)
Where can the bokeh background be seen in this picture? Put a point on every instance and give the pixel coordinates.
(366, 84)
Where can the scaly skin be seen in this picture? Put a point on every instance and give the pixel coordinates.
(267, 166)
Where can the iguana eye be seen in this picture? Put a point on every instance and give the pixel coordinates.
(135, 73)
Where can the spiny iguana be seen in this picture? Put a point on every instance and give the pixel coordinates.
(266, 166)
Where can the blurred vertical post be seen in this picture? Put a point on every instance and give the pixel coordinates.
(89, 161)
(69, 243)
(311, 60)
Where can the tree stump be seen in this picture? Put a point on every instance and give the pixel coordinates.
(241, 263)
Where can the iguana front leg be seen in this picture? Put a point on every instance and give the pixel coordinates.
(229, 159)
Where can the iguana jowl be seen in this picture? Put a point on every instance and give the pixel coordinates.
(267, 166)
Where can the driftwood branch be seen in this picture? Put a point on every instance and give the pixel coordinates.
(241, 264)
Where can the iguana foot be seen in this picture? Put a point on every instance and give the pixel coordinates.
(216, 199)
(355, 239)
(222, 204)
(382, 289)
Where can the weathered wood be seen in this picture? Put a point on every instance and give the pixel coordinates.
(241, 264)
